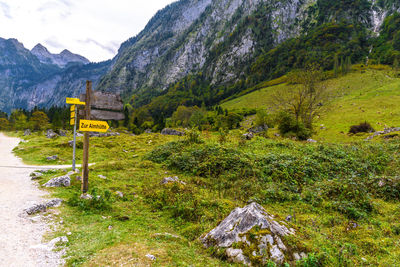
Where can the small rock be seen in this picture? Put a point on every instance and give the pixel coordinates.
(51, 134)
(78, 178)
(289, 218)
(169, 131)
(102, 176)
(86, 196)
(151, 257)
(54, 203)
(27, 132)
(62, 133)
(55, 157)
(277, 135)
(71, 143)
(248, 136)
(59, 182)
(148, 131)
(35, 209)
(120, 194)
(311, 140)
(69, 233)
(258, 129)
(110, 227)
(35, 175)
(79, 135)
(173, 179)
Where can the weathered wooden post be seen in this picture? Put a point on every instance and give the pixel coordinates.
(85, 163)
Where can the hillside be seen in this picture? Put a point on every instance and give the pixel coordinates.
(370, 95)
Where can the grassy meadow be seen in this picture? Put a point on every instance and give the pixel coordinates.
(370, 95)
(343, 197)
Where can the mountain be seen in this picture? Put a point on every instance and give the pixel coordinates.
(39, 78)
(222, 39)
(204, 51)
(61, 60)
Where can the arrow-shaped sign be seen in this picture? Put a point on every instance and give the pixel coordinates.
(93, 126)
(74, 101)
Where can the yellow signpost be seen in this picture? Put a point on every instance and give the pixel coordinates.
(74, 101)
(72, 121)
(93, 126)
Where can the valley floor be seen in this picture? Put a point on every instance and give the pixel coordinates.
(344, 197)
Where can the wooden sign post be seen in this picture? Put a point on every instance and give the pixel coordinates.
(85, 163)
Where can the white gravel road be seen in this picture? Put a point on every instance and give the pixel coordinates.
(20, 235)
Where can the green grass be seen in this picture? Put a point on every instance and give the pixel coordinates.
(371, 96)
(326, 186)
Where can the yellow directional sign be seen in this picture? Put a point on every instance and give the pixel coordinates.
(72, 108)
(74, 101)
(93, 126)
(72, 122)
(72, 114)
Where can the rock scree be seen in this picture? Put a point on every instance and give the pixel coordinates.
(251, 236)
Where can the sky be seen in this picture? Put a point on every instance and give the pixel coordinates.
(92, 28)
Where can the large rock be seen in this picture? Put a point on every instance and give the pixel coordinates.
(252, 236)
(169, 131)
(51, 134)
(59, 182)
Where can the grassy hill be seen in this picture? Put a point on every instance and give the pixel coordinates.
(370, 95)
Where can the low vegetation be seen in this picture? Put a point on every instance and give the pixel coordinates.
(343, 197)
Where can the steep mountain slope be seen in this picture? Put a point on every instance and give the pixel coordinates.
(221, 39)
(61, 60)
(185, 36)
(29, 79)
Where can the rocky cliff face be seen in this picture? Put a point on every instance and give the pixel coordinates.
(61, 60)
(181, 39)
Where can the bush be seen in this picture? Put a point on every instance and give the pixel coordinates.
(364, 127)
(290, 127)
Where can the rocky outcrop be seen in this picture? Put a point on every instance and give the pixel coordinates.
(62, 181)
(169, 131)
(252, 236)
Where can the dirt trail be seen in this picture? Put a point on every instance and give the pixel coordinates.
(20, 235)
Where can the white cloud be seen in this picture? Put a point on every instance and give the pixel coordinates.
(92, 28)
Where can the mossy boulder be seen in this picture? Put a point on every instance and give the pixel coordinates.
(251, 236)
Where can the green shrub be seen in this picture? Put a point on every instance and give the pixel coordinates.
(364, 127)
(288, 126)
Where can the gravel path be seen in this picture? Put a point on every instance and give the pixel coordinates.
(20, 235)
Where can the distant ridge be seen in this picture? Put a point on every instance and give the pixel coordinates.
(61, 60)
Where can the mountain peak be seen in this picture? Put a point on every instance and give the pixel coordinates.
(61, 60)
